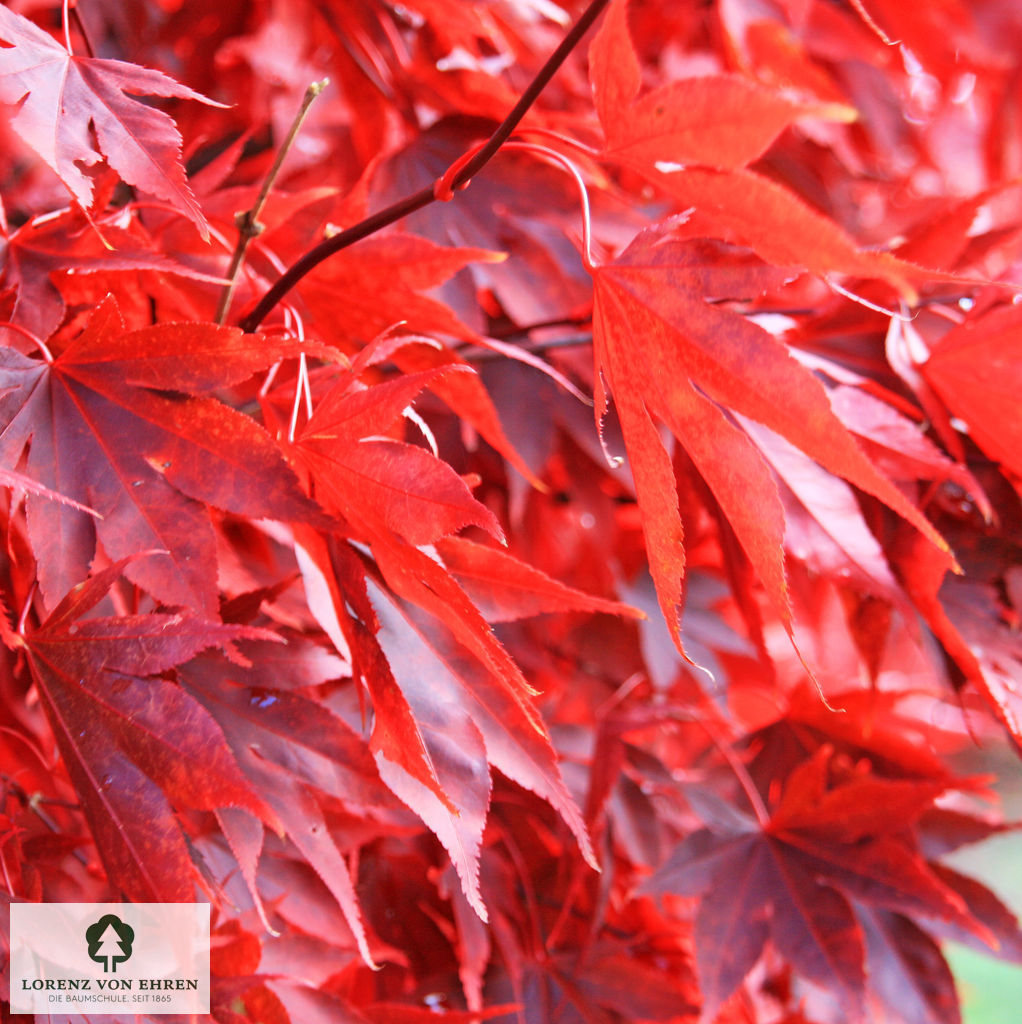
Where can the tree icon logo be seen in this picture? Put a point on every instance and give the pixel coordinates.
(109, 942)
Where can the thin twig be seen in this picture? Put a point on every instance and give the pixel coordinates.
(416, 201)
(248, 222)
(32, 801)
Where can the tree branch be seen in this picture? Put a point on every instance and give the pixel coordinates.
(403, 207)
(248, 222)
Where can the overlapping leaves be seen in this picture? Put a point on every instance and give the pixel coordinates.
(833, 879)
(103, 685)
(75, 415)
(462, 717)
(75, 110)
(667, 353)
(448, 699)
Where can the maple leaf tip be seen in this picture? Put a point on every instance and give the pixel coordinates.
(816, 682)
(588, 853)
(956, 566)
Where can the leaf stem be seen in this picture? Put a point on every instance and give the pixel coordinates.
(417, 200)
(31, 802)
(67, 29)
(248, 222)
(38, 342)
(26, 608)
(741, 774)
(565, 164)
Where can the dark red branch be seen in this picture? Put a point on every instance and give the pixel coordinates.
(416, 201)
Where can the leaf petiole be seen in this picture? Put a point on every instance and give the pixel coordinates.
(66, 20)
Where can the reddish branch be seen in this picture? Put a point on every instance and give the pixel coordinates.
(417, 200)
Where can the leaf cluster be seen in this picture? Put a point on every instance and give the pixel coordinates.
(535, 542)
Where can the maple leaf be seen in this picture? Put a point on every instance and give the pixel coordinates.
(109, 707)
(388, 485)
(652, 310)
(801, 879)
(108, 385)
(442, 718)
(722, 121)
(64, 98)
(446, 782)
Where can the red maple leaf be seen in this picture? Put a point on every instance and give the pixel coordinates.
(64, 98)
(103, 685)
(832, 870)
(722, 121)
(75, 415)
(710, 362)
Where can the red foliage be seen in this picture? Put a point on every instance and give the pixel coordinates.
(350, 620)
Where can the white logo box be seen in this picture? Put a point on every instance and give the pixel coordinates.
(106, 958)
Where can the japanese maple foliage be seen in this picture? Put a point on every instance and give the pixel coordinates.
(515, 504)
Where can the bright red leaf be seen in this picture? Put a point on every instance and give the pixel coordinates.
(722, 121)
(708, 361)
(975, 370)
